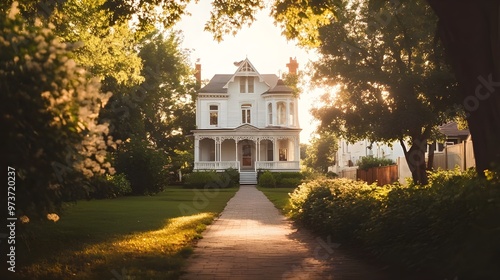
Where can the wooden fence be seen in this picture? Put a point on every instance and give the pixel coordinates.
(382, 175)
(349, 172)
(461, 155)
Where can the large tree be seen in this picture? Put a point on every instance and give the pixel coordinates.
(470, 31)
(320, 154)
(49, 108)
(160, 111)
(393, 82)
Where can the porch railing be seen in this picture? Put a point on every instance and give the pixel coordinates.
(277, 165)
(266, 165)
(216, 165)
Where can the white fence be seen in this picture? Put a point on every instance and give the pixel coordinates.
(216, 165)
(277, 165)
(458, 155)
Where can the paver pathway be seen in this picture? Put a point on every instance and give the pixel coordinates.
(252, 240)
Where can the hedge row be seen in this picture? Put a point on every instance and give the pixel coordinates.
(211, 179)
(269, 179)
(450, 226)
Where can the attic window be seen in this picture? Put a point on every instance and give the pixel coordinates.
(247, 85)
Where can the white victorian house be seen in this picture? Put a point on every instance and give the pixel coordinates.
(247, 121)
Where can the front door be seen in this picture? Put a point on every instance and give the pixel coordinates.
(246, 155)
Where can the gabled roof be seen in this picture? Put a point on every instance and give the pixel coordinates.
(216, 84)
(451, 130)
(245, 69)
(219, 83)
(280, 88)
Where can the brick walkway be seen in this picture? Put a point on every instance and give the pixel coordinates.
(252, 240)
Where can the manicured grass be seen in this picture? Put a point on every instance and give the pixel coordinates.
(141, 237)
(278, 196)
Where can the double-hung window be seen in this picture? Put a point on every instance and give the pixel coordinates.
(246, 112)
(214, 115)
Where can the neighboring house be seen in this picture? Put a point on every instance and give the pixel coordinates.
(348, 154)
(247, 121)
(453, 135)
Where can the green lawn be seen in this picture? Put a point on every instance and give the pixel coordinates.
(278, 196)
(145, 237)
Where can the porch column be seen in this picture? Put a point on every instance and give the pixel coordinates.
(257, 149)
(296, 148)
(215, 151)
(275, 149)
(236, 150)
(196, 149)
(219, 144)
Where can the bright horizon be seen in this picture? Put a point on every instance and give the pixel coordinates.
(262, 44)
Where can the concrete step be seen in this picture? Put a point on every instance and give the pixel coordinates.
(248, 178)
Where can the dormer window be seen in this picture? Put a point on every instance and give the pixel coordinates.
(214, 115)
(246, 84)
(250, 81)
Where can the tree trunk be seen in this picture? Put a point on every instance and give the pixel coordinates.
(470, 33)
(430, 159)
(415, 158)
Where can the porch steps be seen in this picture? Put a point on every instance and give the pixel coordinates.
(248, 178)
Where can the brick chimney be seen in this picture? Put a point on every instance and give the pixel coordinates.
(292, 66)
(197, 73)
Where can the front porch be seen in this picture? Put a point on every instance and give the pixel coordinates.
(247, 153)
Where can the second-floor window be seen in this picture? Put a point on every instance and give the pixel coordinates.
(247, 85)
(214, 115)
(270, 113)
(246, 112)
(281, 113)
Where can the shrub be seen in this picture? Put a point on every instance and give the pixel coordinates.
(449, 226)
(210, 179)
(109, 186)
(266, 180)
(287, 179)
(340, 207)
(144, 166)
(331, 175)
(234, 177)
(368, 162)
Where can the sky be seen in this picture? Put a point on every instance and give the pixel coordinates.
(262, 43)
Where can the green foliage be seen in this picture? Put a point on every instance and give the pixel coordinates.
(331, 175)
(368, 162)
(144, 166)
(287, 179)
(234, 177)
(49, 114)
(161, 109)
(389, 72)
(449, 227)
(320, 154)
(230, 178)
(338, 207)
(109, 186)
(267, 180)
